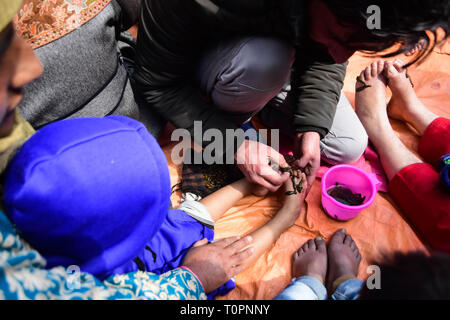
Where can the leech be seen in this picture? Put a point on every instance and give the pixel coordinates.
(364, 85)
(298, 188)
(294, 174)
(409, 78)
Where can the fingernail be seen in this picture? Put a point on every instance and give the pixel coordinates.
(319, 238)
(343, 230)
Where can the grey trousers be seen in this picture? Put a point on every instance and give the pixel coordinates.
(249, 75)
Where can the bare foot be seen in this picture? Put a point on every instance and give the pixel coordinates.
(371, 101)
(418, 47)
(293, 199)
(403, 94)
(343, 258)
(311, 260)
(404, 104)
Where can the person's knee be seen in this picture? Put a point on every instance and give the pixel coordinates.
(266, 63)
(344, 150)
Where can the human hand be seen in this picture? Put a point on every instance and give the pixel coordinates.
(216, 263)
(307, 153)
(253, 159)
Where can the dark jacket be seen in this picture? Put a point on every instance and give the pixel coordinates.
(173, 34)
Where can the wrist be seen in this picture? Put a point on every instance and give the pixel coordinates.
(195, 275)
(311, 134)
(244, 187)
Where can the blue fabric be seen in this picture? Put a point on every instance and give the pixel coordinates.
(23, 276)
(309, 288)
(304, 288)
(167, 248)
(348, 290)
(90, 192)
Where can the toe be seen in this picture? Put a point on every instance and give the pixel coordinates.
(368, 73)
(380, 66)
(362, 75)
(374, 69)
(305, 247)
(399, 62)
(353, 245)
(311, 244)
(338, 237)
(320, 244)
(348, 240)
(390, 69)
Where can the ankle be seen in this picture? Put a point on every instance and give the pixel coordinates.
(336, 283)
(316, 276)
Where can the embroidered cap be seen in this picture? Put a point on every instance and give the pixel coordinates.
(89, 192)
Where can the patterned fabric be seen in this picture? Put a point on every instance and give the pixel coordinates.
(202, 179)
(22, 276)
(43, 21)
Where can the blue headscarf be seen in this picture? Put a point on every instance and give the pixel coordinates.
(89, 192)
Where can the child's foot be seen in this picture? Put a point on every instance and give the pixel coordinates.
(371, 101)
(311, 260)
(418, 47)
(294, 196)
(403, 95)
(343, 259)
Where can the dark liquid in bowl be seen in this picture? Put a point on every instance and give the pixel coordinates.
(346, 196)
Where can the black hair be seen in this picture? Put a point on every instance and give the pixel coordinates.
(403, 23)
(412, 276)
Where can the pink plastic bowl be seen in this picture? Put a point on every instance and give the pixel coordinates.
(356, 180)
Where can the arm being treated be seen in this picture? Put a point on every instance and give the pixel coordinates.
(225, 198)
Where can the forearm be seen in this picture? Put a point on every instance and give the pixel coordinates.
(225, 198)
(265, 237)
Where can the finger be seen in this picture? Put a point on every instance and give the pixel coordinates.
(306, 185)
(237, 269)
(303, 162)
(311, 178)
(200, 243)
(239, 257)
(273, 177)
(238, 245)
(278, 158)
(256, 179)
(227, 241)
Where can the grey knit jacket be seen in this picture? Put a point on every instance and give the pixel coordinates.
(84, 75)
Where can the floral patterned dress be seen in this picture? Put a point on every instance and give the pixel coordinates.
(23, 276)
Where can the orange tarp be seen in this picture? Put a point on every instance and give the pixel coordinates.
(380, 228)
